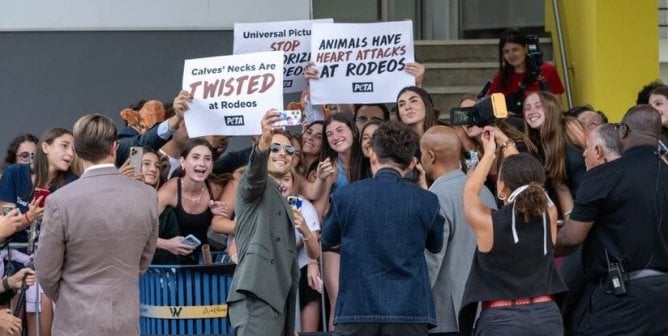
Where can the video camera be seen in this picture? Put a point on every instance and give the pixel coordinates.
(482, 114)
(535, 58)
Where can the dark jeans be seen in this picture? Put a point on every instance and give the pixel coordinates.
(641, 311)
(380, 329)
(533, 319)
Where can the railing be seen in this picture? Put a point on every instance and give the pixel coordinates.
(562, 53)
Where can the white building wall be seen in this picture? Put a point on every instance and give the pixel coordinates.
(56, 15)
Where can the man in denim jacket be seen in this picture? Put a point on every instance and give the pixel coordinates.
(383, 225)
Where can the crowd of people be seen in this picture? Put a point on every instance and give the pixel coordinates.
(371, 221)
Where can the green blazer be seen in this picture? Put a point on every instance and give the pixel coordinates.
(266, 242)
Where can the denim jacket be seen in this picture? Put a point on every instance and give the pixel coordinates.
(384, 224)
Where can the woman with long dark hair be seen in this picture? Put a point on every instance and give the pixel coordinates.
(51, 170)
(518, 75)
(20, 150)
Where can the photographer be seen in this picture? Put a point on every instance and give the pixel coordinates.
(522, 71)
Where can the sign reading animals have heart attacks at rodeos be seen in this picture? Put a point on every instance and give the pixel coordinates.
(291, 37)
(360, 63)
(232, 93)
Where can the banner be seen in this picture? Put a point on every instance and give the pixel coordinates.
(232, 93)
(361, 63)
(291, 37)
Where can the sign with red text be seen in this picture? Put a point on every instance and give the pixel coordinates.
(232, 93)
(361, 63)
(291, 37)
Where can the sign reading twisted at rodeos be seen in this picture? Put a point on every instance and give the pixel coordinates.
(360, 63)
(232, 93)
(293, 38)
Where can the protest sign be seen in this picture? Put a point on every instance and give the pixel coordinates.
(232, 93)
(361, 63)
(291, 37)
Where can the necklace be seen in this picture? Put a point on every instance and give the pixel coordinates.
(194, 199)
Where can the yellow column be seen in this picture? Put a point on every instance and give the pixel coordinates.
(612, 48)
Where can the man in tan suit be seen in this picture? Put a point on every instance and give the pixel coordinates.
(98, 236)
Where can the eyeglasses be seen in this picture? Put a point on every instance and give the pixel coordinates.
(25, 155)
(288, 149)
(364, 120)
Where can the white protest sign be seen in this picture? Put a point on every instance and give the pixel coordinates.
(361, 63)
(232, 93)
(291, 37)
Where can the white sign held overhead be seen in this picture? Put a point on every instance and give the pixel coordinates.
(232, 93)
(291, 37)
(361, 63)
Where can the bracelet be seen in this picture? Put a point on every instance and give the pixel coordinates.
(5, 284)
(506, 143)
(25, 215)
(305, 238)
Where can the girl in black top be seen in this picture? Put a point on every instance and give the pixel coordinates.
(513, 273)
(194, 197)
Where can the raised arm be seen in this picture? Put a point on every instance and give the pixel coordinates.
(477, 214)
(254, 179)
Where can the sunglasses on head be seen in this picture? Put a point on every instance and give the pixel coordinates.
(288, 149)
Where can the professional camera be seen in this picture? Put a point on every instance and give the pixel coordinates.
(535, 60)
(483, 113)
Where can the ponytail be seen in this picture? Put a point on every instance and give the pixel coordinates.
(532, 202)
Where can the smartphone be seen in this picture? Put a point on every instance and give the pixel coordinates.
(41, 192)
(136, 154)
(289, 118)
(191, 241)
(7, 208)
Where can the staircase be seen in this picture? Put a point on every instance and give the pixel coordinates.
(461, 67)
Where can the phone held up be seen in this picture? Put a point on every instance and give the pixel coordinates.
(7, 208)
(39, 192)
(136, 154)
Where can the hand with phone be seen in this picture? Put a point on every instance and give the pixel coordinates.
(175, 246)
(10, 222)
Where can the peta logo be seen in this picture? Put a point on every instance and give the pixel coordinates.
(363, 87)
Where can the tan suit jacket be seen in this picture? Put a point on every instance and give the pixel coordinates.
(98, 236)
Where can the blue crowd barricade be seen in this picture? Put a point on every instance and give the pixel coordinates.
(185, 299)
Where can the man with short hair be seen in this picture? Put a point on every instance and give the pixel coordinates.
(602, 146)
(383, 225)
(621, 216)
(98, 236)
(367, 112)
(449, 268)
(263, 294)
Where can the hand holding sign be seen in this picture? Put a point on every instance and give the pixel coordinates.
(228, 91)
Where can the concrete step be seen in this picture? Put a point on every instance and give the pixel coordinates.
(459, 74)
(483, 50)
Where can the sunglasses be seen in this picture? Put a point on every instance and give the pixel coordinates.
(364, 120)
(288, 149)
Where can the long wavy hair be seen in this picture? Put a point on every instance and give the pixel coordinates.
(550, 138)
(355, 169)
(430, 113)
(506, 70)
(41, 165)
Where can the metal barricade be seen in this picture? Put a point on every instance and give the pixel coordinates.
(185, 300)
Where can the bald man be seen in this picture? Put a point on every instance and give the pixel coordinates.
(449, 269)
